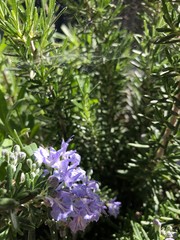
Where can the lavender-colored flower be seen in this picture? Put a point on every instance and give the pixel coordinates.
(78, 223)
(72, 196)
(61, 206)
(91, 206)
(64, 145)
(79, 190)
(41, 154)
(82, 215)
(71, 160)
(48, 157)
(74, 175)
(95, 208)
(52, 157)
(92, 187)
(113, 207)
(68, 176)
(85, 189)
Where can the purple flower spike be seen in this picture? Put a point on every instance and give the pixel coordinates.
(71, 195)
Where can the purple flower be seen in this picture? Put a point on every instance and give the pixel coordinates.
(68, 168)
(74, 175)
(90, 207)
(92, 187)
(113, 207)
(48, 157)
(68, 176)
(78, 223)
(61, 206)
(85, 189)
(95, 208)
(41, 155)
(52, 157)
(71, 196)
(82, 215)
(71, 160)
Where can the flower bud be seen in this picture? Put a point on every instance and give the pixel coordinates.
(45, 173)
(3, 191)
(49, 222)
(52, 192)
(175, 235)
(23, 178)
(34, 167)
(169, 234)
(16, 149)
(29, 163)
(33, 175)
(53, 181)
(157, 224)
(21, 155)
(12, 159)
(169, 228)
(5, 154)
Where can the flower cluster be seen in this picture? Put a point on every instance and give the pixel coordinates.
(72, 196)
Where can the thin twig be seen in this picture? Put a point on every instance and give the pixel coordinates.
(173, 122)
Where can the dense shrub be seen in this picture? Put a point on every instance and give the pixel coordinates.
(115, 90)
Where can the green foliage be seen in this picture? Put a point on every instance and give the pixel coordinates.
(116, 91)
(20, 185)
(154, 166)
